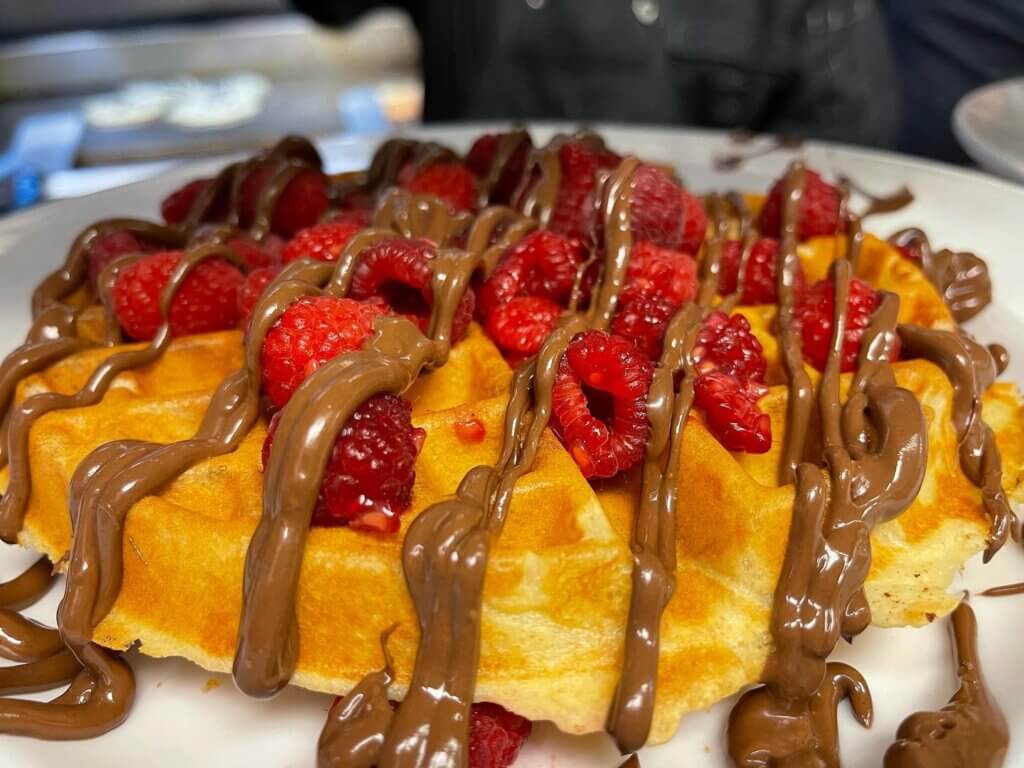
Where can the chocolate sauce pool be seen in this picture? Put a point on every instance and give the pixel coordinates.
(874, 450)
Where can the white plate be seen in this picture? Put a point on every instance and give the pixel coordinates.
(174, 722)
(989, 122)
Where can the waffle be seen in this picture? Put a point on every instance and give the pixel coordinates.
(557, 587)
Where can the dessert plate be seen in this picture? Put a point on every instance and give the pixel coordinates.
(989, 122)
(184, 714)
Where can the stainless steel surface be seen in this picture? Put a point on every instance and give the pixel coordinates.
(21, 18)
(279, 46)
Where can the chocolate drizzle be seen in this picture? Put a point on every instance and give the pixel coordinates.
(735, 160)
(971, 370)
(446, 548)
(1006, 590)
(890, 203)
(970, 731)
(654, 535)
(801, 394)
(875, 449)
(961, 277)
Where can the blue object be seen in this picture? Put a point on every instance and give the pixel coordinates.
(41, 144)
(361, 111)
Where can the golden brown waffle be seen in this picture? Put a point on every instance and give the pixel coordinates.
(558, 581)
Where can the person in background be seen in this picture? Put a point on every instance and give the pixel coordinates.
(813, 68)
(944, 49)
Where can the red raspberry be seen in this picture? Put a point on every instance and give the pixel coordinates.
(495, 736)
(256, 255)
(599, 403)
(396, 274)
(250, 291)
(104, 249)
(520, 326)
(480, 158)
(301, 204)
(452, 182)
(814, 314)
(323, 242)
(542, 264)
(663, 213)
(206, 301)
(695, 223)
(574, 214)
(910, 251)
(311, 331)
(819, 209)
(727, 344)
(760, 276)
(733, 417)
(176, 206)
(642, 318)
(670, 274)
(369, 476)
(470, 430)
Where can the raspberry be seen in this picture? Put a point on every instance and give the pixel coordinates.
(250, 291)
(255, 255)
(642, 318)
(695, 223)
(574, 214)
(670, 274)
(599, 403)
(819, 209)
(481, 157)
(521, 325)
(910, 251)
(495, 736)
(663, 213)
(301, 204)
(760, 275)
(481, 154)
(733, 417)
(206, 300)
(311, 331)
(369, 476)
(396, 274)
(542, 264)
(323, 242)
(814, 314)
(727, 344)
(106, 248)
(470, 430)
(176, 206)
(452, 182)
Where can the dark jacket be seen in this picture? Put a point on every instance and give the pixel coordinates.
(814, 67)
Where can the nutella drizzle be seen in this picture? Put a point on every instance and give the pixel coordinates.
(961, 278)
(446, 548)
(895, 201)
(970, 731)
(735, 160)
(654, 536)
(971, 370)
(800, 400)
(875, 446)
(1006, 590)
(875, 449)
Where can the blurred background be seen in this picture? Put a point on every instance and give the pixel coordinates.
(98, 94)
